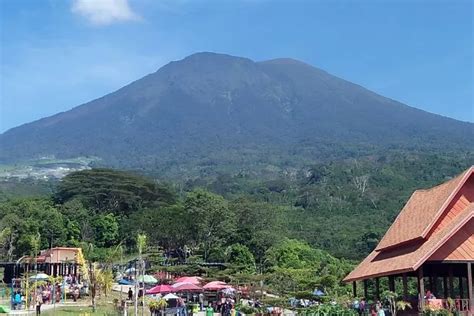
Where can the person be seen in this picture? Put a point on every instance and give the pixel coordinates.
(181, 307)
(361, 310)
(429, 295)
(75, 293)
(130, 294)
(17, 300)
(209, 311)
(39, 302)
(201, 301)
(380, 310)
(373, 310)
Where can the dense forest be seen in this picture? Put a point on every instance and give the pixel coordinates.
(323, 218)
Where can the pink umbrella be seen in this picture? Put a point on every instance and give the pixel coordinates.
(185, 287)
(216, 286)
(189, 279)
(162, 288)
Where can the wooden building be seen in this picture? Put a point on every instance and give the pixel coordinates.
(59, 255)
(431, 240)
(54, 261)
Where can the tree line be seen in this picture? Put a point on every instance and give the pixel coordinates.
(302, 228)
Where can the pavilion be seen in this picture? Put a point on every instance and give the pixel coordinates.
(432, 240)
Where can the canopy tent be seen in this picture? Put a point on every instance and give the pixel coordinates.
(160, 289)
(39, 277)
(228, 291)
(170, 297)
(216, 286)
(149, 279)
(130, 270)
(186, 287)
(318, 293)
(189, 279)
(125, 282)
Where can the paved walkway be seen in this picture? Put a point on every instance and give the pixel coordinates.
(47, 307)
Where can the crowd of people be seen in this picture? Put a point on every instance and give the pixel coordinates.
(224, 305)
(45, 292)
(362, 308)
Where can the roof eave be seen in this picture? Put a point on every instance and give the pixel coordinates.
(349, 279)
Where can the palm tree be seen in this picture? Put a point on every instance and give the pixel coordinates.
(157, 305)
(93, 282)
(395, 305)
(35, 244)
(54, 280)
(106, 281)
(141, 245)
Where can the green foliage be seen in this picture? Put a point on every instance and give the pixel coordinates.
(26, 218)
(299, 228)
(295, 265)
(240, 256)
(211, 219)
(394, 303)
(112, 191)
(329, 309)
(141, 243)
(105, 230)
(260, 225)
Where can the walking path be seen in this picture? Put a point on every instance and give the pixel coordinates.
(47, 307)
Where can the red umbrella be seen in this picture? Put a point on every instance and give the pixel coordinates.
(216, 286)
(189, 279)
(186, 287)
(162, 288)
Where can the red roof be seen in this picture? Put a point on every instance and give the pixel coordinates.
(435, 224)
(422, 211)
(186, 287)
(216, 286)
(189, 279)
(162, 288)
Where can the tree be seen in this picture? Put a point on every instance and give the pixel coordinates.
(295, 264)
(240, 256)
(395, 304)
(105, 279)
(211, 221)
(141, 245)
(106, 230)
(7, 241)
(112, 191)
(78, 220)
(156, 305)
(260, 225)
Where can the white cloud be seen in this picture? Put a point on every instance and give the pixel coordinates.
(104, 12)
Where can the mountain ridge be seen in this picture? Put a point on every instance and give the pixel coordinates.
(208, 104)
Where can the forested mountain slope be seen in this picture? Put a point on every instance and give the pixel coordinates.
(212, 109)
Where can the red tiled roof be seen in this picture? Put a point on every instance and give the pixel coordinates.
(421, 212)
(437, 222)
(410, 258)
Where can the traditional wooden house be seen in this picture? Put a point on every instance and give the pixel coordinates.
(432, 240)
(54, 261)
(61, 260)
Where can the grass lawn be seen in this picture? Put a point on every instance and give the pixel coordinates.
(65, 311)
(105, 306)
(86, 311)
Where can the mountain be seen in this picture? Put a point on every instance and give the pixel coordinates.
(210, 109)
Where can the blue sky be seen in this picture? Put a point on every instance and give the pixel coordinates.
(56, 54)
